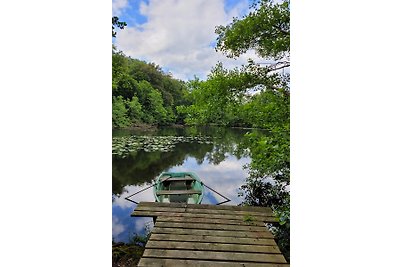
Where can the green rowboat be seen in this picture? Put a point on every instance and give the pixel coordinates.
(178, 187)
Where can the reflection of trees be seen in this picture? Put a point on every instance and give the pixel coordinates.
(141, 167)
(227, 140)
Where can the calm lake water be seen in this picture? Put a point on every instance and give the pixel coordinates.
(214, 154)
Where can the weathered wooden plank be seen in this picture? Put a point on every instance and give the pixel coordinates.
(201, 211)
(213, 239)
(212, 246)
(161, 209)
(209, 235)
(214, 255)
(202, 263)
(236, 212)
(178, 192)
(158, 209)
(146, 213)
(180, 231)
(208, 220)
(211, 226)
(207, 206)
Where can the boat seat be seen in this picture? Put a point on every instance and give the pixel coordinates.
(178, 192)
(187, 178)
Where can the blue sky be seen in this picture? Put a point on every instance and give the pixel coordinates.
(178, 35)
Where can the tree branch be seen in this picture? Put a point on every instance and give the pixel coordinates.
(281, 30)
(276, 66)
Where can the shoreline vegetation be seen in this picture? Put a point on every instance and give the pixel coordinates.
(154, 127)
(126, 254)
(141, 126)
(254, 96)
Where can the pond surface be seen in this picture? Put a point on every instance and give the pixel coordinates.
(213, 153)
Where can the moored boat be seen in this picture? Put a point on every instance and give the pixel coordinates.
(178, 187)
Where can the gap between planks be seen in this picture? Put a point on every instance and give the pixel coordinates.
(155, 244)
(240, 221)
(213, 239)
(165, 230)
(211, 226)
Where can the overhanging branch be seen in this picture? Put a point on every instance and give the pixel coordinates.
(278, 66)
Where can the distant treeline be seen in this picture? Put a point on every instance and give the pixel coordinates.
(143, 93)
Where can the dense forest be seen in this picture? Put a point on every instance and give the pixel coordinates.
(254, 95)
(143, 93)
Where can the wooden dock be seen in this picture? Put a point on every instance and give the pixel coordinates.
(209, 235)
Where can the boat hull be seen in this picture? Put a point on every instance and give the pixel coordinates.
(178, 187)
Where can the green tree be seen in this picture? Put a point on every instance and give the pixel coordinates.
(156, 108)
(125, 86)
(134, 111)
(119, 113)
(266, 29)
(267, 109)
(216, 100)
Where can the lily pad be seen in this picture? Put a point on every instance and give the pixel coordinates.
(123, 146)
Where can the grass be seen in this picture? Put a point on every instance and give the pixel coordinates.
(248, 218)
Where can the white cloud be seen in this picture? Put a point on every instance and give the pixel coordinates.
(118, 6)
(224, 178)
(142, 222)
(178, 34)
(146, 195)
(117, 227)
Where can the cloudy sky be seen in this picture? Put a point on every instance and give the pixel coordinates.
(178, 35)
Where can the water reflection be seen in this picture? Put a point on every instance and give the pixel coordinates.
(219, 165)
